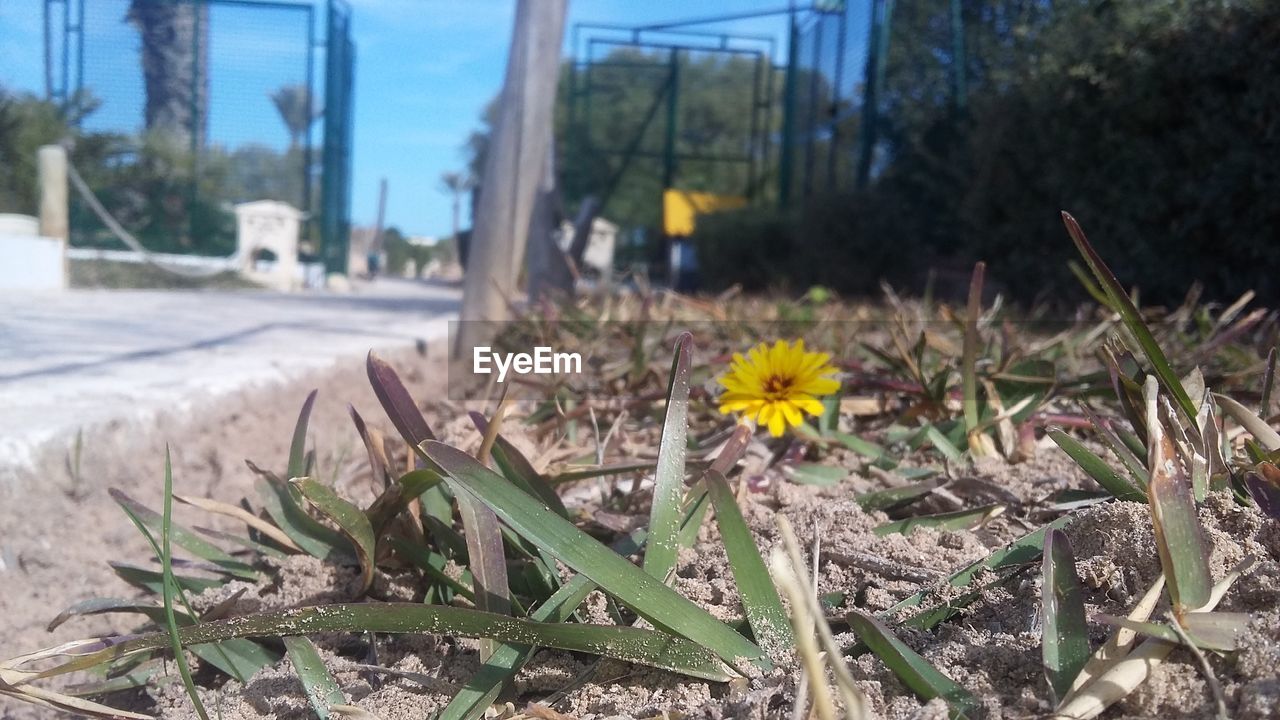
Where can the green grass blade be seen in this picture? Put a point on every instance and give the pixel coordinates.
(321, 689)
(1022, 551)
(350, 519)
(1096, 468)
(153, 581)
(170, 587)
(519, 470)
(760, 599)
(482, 690)
(1089, 285)
(652, 648)
(1268, 382)
(649, 597)
(238, 657)
(954, 521)
(397, 497)
(945, 446)
(896, 497)
(185, 538)
(600, 471)
(914, 671)
(298, 448)
(432, 564)
(1132, 463)
(315, 538)
(815, 474)
(99, 606)
(1179, 537)
(668, 487)
(867, 449)
(1132, 318)
(1065, 646)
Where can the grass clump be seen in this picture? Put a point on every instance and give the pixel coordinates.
(499, 552)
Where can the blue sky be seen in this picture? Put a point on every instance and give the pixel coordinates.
(425, 70)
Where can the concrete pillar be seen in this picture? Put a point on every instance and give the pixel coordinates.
(51, 168)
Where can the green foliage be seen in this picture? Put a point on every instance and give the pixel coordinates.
(26, 123)
(1152, 120)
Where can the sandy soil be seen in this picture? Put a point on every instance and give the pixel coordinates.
(58, 528)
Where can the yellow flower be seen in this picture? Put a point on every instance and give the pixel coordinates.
(774, 384)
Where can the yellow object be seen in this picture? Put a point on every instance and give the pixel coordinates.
(680, 208)
(776, 385)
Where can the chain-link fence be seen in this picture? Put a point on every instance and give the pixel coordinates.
(648, 112)
(826, 128)
(186, 107)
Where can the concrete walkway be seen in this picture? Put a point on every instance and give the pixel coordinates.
(80, 358)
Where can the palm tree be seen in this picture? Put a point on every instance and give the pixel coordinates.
(175, 66)
(456, 184)
(292, 103)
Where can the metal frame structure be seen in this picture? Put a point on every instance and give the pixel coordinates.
(64, 79)
(675, 41)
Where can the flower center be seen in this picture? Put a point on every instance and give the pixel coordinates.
(777, 385)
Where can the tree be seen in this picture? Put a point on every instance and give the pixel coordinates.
(175, 66)
(456, 184)
(293, 102)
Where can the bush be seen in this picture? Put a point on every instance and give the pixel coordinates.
(1158, 130)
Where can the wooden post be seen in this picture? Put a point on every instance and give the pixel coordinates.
(514, 168)
(51, 169)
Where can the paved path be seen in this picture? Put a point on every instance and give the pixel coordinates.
(79, 358)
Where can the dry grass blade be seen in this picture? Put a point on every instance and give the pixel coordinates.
(979, 443)
(379, 464)
(668, 481)
(244, 516)
(1123, 640)
(1256, 426)
(397, 402)
(1123, 674)
(812, 633)
(1066, 635)
(1217, 631)
(1179, 537)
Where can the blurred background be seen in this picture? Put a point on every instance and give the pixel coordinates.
(740, 142)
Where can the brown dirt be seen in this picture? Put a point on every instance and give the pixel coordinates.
(55, 541)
